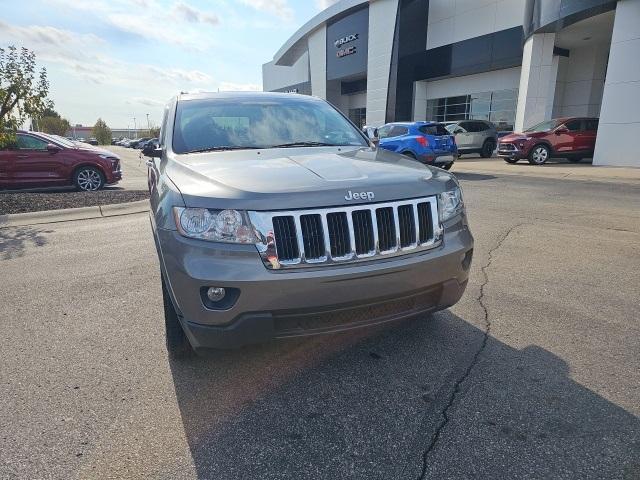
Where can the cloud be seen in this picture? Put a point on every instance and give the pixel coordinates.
(149, 102)
(193, 15)
(75, 53)
(279, 8)
(239, 87)
(323, 4)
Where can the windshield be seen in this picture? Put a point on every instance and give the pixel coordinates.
(543, 127)
(58, 139)
(236, 123)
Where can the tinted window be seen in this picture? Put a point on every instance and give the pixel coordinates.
(543, 127)
(163, 127)
(480, 126)
(259, 122)
(398, 130)
(591, 125)
(27, 142)
(383, 132)
(468, 126)
(436, 129)
(574, 125)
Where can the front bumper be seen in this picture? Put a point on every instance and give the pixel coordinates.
(512, 152)
(114, 177)
(279, 304)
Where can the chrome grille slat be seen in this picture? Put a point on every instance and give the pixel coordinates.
(338, 235)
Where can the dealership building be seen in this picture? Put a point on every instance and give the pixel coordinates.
(513, 62)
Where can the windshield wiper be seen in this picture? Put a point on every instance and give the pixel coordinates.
(306, 144)
(222, 148)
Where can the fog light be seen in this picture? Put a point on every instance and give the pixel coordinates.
(215, 294)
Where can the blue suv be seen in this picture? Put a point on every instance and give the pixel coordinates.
(428, 142)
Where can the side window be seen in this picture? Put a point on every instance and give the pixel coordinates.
(384, 131)
(573, 125)
(436, 129)
(481, 126)
(440, 130)
(591, 125)
(398, 130)
(467, 126)
(27, 142)
(163, 127)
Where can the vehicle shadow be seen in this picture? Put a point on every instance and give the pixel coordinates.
(367, 404)
(14, 240)
(473, 176)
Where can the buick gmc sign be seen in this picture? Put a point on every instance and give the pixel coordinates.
(346, 46)
(348, 39)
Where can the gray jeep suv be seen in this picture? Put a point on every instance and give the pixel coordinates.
(273, 217)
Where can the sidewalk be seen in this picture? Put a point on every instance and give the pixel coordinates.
(558, 169)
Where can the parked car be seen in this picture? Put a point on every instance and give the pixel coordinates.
(474, 136)
(428, 142)
(41, 160)
(137, 142)
(571, 138)
(273, 229)
(149, 144)
(92, 141)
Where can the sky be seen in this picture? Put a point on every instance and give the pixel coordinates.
(123, 59)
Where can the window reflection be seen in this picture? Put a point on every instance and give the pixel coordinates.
(498, 107)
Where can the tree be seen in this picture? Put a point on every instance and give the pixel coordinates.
(154, 132)
(102, 132)
(51, 122)
(21, 93)
(55, 125)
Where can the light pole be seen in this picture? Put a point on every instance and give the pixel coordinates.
(148, 125)
(135, 129)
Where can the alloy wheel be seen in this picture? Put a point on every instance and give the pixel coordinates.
(540, 155)
(89, 180)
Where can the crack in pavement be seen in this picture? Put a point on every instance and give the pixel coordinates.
(444, 413)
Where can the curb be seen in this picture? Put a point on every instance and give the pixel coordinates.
(548, 175)
(71, 214)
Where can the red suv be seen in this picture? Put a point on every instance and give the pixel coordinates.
(572, 138)
(41, 160)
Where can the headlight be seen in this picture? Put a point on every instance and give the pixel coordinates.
(214, 225)
(450, 204)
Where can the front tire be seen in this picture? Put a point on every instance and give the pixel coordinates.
(487, 148)
(539, 155)
(88, 179)
(178, 346)
(510, 160)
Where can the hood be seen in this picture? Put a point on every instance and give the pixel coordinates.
(512, 137)
(96, 150)
(299, 178)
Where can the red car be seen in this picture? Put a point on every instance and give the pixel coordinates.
(572, 138)
(41, 160)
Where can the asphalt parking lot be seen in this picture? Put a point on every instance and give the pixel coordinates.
(534, 374)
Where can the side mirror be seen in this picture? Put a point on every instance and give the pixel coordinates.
(152, 151)
(53, 148)
(561, 130)
(372, 134)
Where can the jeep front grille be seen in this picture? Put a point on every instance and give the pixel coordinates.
(303, 238)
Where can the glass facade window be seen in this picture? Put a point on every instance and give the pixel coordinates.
(498, 107)
(358, 116)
